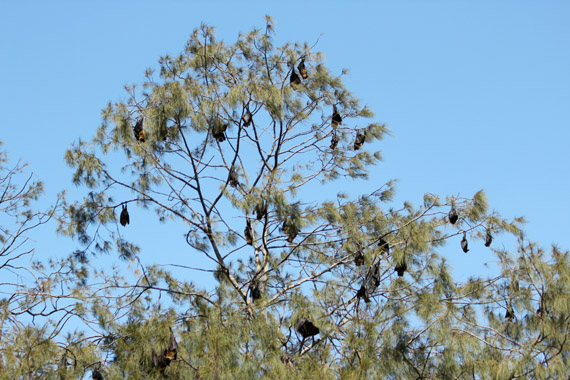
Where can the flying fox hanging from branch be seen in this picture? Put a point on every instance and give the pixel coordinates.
(336, 118)
(302, 69)
(139, 131)
(169, 354)
(124, 218)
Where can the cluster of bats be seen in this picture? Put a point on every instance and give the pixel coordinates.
(453, 217)
(304, 327)
(372, 279)
(219, 128)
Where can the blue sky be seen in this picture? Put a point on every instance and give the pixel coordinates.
(475, 93)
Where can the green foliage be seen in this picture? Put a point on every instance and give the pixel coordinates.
(227, 141)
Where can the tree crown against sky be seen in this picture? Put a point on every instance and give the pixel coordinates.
(223, 140)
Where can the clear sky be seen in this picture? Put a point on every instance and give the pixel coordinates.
(475, 93)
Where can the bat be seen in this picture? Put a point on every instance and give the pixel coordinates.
(464, 243)
(384, 246)
(248, 232)
(260, 209)
(247, 117)
(363, 293)
(452, 215)
(139, 131)
(302, 69)
(401, 268)
(360, 137)
(233, 178)
(334, 141)
(219, 132)
(336, 119)
(306, 328)
(294, 79)
(359, 258)
(124, 218)
(488, 239)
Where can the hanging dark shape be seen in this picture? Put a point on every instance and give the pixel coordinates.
(453, 215)
(290, 229)
(256, 291)
(363, 293)
(234, 182)
(510, 314)
(306, 328)
(260, 210)
(359, 258)
(401, 268)
(336, 119)
(360, 137)
(248, 232)
(247, 117)
(219, 131)
(124, 217)
(171, 353)
(374, 275)
(541, 311)
(139, 131)
(295, 80)
(334, 141)
(384, 246)
(464, 244)
(488, 239)
(96, 375)
(302, 69)
(159, 361)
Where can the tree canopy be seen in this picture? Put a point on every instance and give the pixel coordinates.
(245, 146)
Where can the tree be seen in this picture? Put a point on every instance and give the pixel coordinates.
(32, 312)
(226, 140)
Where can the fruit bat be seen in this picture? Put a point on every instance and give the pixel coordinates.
(510, 314)
(234, 182)
(306, 328)
(360, 137)
(247, 117)
(219, 132)
(171, 353)
(384, 246)
(302, 69)
(124, 218)
(359, 258)
(336, 119)
(401, 268)
(488, 239)
(334, 141)
(256, 291)
(159, 361)
(139, 131)
(248, 232)
(295, 80)
(452, 215)
(96, 375)
(290, 230)
(541, 311)
(464, 244)
(260, 209)
(374, 275)
(363, 293)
